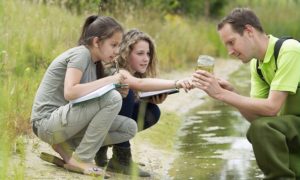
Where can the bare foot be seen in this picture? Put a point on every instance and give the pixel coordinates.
(85, 168)
(78, 166)
(61, 150)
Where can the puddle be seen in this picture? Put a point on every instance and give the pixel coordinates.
(212, 142)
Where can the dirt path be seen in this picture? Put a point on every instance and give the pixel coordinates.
(157, 161)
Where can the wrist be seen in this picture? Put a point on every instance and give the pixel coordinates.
(117, 78)
(221, 95)
(175, 84)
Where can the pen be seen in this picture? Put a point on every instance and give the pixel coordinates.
(117, 66)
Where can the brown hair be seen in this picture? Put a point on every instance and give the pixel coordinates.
(238, 18)
(132, 37)
(102, 27)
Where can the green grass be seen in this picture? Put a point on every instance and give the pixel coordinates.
(163, 134)
(31, 36)
(4, 155)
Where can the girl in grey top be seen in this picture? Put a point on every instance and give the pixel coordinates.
(77, 132)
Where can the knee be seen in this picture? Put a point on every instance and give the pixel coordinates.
(152, 115)
(156, 112)
(113, 98)
(259, 127)
(131, 127)
(150, 121)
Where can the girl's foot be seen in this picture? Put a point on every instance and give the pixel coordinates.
(61, 149)
(74, 165)
(85, 168)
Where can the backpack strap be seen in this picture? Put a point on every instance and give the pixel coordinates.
(277, 47)
(259, 72)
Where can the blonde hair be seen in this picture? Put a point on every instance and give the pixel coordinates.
(130, 38)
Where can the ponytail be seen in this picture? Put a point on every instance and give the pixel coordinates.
(102, 27)
(89, 20)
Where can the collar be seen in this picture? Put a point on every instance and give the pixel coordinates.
(270, 49)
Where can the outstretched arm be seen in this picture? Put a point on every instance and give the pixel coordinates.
(154, 84)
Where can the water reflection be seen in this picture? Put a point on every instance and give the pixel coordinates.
(212, 145)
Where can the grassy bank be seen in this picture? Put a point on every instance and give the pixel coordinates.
(163, 134)
(32, 35)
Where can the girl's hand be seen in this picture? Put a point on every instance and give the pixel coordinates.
(158, 99)
(186, 84)
(120, 77)
(123, 89)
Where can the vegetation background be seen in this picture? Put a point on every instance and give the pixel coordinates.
(34, 32)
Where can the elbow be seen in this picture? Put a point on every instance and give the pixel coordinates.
(272, 112)
(68, 95)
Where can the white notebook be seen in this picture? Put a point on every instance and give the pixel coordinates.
(97, 93)
(145, 95)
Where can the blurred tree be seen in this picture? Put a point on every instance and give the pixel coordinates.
(192, 8)
(207, 8)
(75, 6)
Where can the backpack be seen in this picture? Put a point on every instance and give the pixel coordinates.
(292, 103)
(277, 47)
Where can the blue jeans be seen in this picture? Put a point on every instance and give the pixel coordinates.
(131, 108)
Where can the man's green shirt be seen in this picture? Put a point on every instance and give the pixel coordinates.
(287, 76)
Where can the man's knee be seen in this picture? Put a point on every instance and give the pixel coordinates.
(258, 127)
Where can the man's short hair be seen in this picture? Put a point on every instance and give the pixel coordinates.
(238, 18)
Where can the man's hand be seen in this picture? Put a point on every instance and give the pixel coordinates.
(208, 83)
(225, 85)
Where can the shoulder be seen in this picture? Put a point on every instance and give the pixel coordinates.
(290, 50)
(79, 53)
(80, 50)
(79, 57)
(291, 45)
